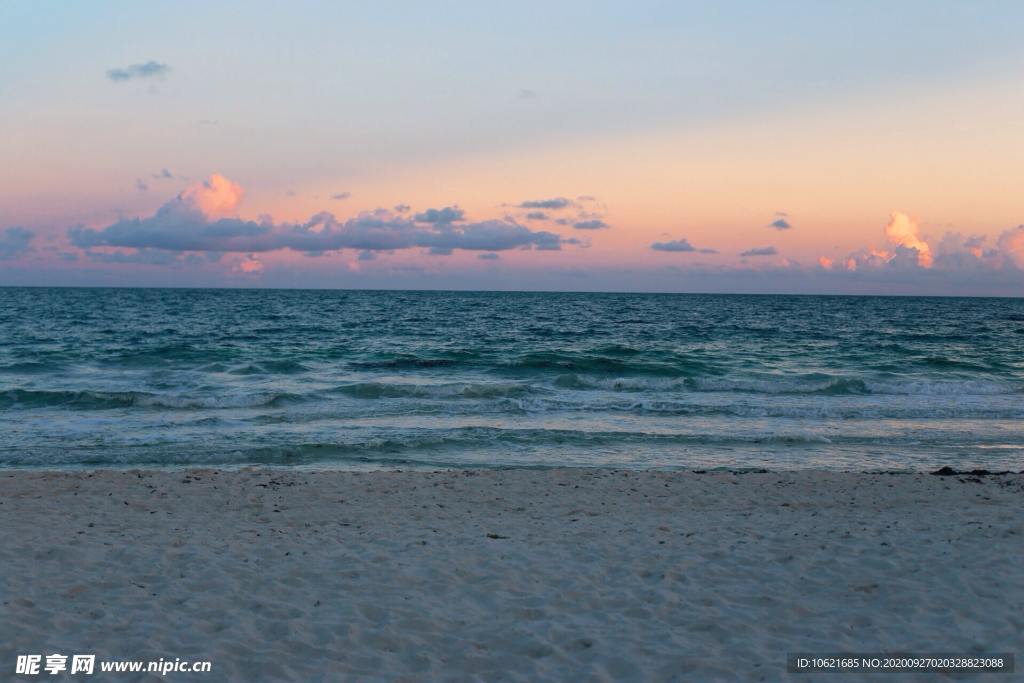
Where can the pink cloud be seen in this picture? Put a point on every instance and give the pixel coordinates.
(250, 265)
(215, 196)
(1011, 243)
(904, 231)
(952, 252)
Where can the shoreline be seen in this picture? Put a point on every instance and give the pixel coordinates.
(277, 573)
(371, 467)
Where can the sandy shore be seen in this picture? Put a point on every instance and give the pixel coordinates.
(575, 575)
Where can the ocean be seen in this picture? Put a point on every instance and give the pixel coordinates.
(367, 379)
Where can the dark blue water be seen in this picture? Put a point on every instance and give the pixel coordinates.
(342, 378)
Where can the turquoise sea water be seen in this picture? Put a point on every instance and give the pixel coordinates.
(344, 378)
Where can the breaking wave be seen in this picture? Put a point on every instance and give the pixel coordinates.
(100, 400)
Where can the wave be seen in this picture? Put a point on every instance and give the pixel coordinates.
(518, 439)
(403, 363)
(575, 381)
(443, 359)
(651, 395)
(616, 359)
(492, 436)
(101, 400)
(29, 398)
(952, 388)
(453, 390)
(167, 354)
(606, 364)
(960, 364)
(784, 385)
(803, 410)
(794, 385)
(779, 385)
(425, 446)
(271, 367)
(31, 367)
(256, 400)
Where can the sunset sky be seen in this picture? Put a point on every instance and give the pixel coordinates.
(842, 147)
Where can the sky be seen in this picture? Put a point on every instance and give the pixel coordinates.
(792, 147)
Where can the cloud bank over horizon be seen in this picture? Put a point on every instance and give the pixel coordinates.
(199, 220)
(909, 251)
(199, 228)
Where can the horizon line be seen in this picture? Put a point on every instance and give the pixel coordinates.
(519, 291)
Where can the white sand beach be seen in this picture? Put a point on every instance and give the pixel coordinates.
(517, 575)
